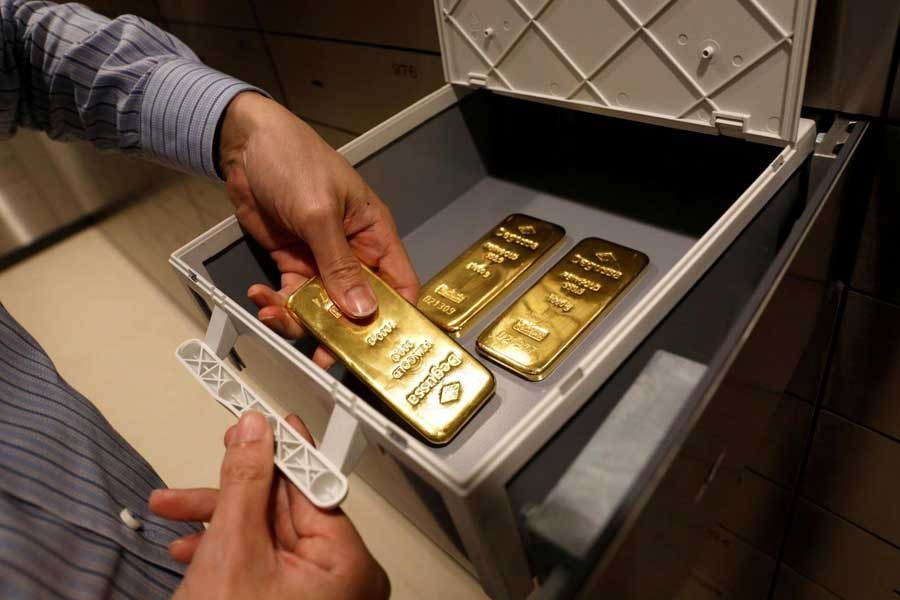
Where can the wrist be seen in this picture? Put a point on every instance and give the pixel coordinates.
(239, 121)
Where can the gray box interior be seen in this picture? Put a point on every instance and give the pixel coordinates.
(448, 181)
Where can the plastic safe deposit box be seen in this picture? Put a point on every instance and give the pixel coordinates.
(660, 125)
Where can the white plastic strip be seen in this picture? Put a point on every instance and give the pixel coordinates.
(306, 467)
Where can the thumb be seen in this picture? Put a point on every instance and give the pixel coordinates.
(340, 269)
(246, 476)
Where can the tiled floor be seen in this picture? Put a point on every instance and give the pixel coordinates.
(112, 331)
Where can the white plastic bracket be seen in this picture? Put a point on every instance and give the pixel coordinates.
(343, 442)
(307, 468)
(221, 334)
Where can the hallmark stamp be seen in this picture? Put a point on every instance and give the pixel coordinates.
(531, 329)
(381, 333)
(451, 294)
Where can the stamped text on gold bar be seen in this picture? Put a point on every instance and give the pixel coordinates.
(536, 332)
(419, 371)
(487, 269)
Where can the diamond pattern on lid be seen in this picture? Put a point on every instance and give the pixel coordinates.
(639, 78)
(644, 9)
(490, 25)
(681, 54)
(730, 98)
(781, 13)
(684, 37)
(552, 80)
(582, 29)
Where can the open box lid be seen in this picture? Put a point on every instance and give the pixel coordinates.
(735, 67)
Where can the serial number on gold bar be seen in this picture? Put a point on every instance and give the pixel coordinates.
(413, 366)
(486, 270)
(534, 334)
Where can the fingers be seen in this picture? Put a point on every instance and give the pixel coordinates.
(339, 267)
(323, 357)
(273, 313)
(183, 548)
(396, 269)
(394, 265)
(277, 318)
(246, 477)
(195, 504)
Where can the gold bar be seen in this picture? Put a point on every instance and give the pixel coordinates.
(536, 332)
(426, 377)
(485, 272)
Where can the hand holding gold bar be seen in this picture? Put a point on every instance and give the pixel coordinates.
(413, 366)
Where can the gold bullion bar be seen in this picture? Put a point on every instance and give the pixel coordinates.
(537, 331)
(425, 376)
(486, 270)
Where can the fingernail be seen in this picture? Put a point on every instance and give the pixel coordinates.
(360, 300)
(250, 428)
(274, 323)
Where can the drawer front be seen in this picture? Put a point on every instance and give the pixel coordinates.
(757, 511)
(865, 373)
(781, 451)
(808, 375)
(879, 254)
(855, 473)
(656, 558)
(841, 557)
(735, 423)
(791, 585)
(238, 52)
(350, 86)
(146, 9)
(728, 569)
(781, 335)
(402, 23)
(235, 13)
(850, 58)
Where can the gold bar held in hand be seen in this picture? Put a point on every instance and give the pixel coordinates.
(533, 335)
(413, 366)
(486, 270)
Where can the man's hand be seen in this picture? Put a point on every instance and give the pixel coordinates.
(265, 539)
(311, 210)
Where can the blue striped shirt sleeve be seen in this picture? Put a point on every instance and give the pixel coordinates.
(121, 83)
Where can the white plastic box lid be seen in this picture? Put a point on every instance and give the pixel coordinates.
(722, 66)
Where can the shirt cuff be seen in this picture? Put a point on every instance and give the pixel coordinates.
(180, 112)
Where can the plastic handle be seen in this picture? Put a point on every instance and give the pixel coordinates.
(306, 467)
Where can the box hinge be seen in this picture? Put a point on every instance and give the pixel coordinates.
(477, 79)
(730, 124)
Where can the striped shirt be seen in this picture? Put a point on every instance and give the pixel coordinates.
(65, 474)
(121, 83)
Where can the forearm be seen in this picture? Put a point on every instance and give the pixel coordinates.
(121, 83)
